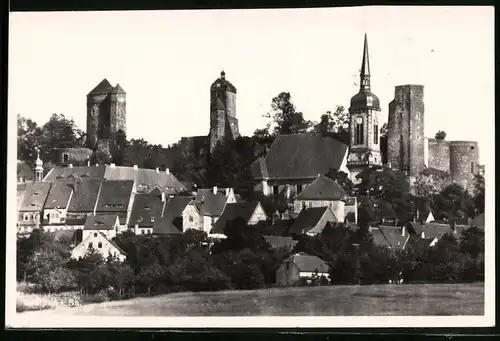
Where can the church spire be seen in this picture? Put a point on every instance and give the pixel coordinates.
(365, 68)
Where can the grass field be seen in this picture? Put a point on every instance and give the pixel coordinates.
(411, 299)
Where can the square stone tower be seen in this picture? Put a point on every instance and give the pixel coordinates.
(406, 141)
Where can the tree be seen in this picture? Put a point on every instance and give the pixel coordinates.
(453, 202)
(440, 135)
(28, 134)
(334, 124)
(285, 116)
(343, 180)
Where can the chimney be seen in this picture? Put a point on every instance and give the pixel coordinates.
(227, 191)
(70, 165)
(162, 197)
(167, 171)
(135, 167)
(157, 170)
(215, 190)
(112, 165)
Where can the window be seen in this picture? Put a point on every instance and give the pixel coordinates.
(149, 231)
(90, 245)
(276, 189)
(375, 134)
(95, 234)
(65, 157)
(358, 136)
(25, 217)
(190, 219)
(152, 219)
(99, 245)
(472, 167)
(299, 189)
(142, 232)
(310, 204)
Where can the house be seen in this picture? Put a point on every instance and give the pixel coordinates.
(312, 221)
(56, 205)
(116, 197)
(300, 266)
(146, 209)
(78, 172)
(192, 217)
(98, 233)
(212, 204)
(250, 212)
(279, 242)
(294, 161)
(323, 192)
(30, 210)
(83, 201)
(433, 231)
(172, 220)
(394, 237)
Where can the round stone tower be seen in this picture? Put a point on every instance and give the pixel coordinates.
(464, 159)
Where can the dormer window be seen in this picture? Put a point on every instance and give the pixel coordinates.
(152, 219)
(139, 219)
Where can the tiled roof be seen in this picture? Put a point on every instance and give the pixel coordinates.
(35, 196)
(69, 173)
(300, 156)
(308, 263)
(148, 177)
(100, 222)
(166, 226)
(59, 195)
(323, 188)
(432, 230)
(414, 228)
(222, 83)
(280, 227)
(145, 206)
(118, 90)
(379, 238)
(174, 207)
(307, 219)
(21, 188)
(212, 204)
(394, 236)
(231, 212)
(85, 196)
(102, 88)
(278, 242)
(114, 196)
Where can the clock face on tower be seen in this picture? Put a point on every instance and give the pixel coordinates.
(359, 120)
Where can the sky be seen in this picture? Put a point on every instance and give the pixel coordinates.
(167, 60)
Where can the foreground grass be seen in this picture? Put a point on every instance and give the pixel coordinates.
(395, 300)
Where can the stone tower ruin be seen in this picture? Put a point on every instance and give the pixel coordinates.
(106, 113)
(223, 121)
(406, 150)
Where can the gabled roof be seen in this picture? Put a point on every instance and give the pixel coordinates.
(142, 176)
(175, 206)
(394, 236)
(222, 83)
(308, 263)
(166, 225)
(35, 196)
(308, 219)
(114, 196)
(113, 243)
(100, 222)
(70, 173)
(59, 195)
(278, 242)
(432, 230)
(379, 238)
(104, 87)
(212, 204)
(323, 188)
(300, 156)
(231, 212)
(85, 195)
(144, 208)
(118, 90)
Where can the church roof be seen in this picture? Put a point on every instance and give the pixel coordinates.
(365, 99)
(301, 156)
(104, 87)
(118, 90)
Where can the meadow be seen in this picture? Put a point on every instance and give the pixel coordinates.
(370, 300)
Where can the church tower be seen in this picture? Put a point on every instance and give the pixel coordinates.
(364, 125)
(38, 167)
(223, 121)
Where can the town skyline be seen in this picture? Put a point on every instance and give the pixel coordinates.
(176, 85)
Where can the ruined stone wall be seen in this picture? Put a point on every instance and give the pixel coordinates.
(439, 154)
(406, 129)
(118, 113)
(464, 158)
(230, 101)
(74, 156)
(217, 127)
(95, 110)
